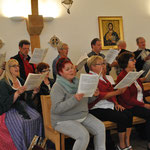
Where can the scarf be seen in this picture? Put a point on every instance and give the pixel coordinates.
(71, 87)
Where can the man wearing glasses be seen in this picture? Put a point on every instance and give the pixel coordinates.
(62, 52)
(23, 58)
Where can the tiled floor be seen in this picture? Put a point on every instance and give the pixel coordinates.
(136, 142)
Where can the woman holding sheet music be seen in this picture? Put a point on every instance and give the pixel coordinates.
(133, 98)
(45, 86)
(19, 122)
(69, 111)
(106, 107)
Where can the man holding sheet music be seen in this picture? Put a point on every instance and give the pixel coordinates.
(23, 58)
(62, 52)
(142, 56)
(96, 48)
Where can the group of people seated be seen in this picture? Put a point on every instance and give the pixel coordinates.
(71, 113)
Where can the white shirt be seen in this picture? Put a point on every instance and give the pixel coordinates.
(139, 93)
(104, 103)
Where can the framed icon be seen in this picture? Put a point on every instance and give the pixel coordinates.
(110, 31)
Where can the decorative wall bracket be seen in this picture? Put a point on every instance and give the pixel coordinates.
(54, 41)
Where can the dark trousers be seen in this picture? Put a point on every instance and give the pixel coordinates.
(145, 114)
(122, 118)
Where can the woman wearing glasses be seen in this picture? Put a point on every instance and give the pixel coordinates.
(133, 99)
(106, 107)
(19, 122)
(69, 111)
(45, 86)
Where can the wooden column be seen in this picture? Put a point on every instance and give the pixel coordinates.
(34, 25)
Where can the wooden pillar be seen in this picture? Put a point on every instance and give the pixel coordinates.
(34, 25)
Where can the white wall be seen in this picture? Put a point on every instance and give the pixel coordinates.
(81, 26)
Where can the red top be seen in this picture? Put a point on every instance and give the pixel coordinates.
(104, 88)
(27, 67)
(129, 98)
(6, 142)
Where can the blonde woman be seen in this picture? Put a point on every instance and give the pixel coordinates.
(106, 107)
(19, 119)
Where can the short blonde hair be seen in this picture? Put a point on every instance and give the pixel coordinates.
(61, 45)
(8, 74)
(93, 60)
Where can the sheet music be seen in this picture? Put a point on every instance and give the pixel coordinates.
(128, 79)
(111, 56)
(143, 54)
(82, 61)
(2, 58)
(147, 76)
(34, 80)
(38, 55)
(88, 84)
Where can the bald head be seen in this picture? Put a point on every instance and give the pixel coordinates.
(121, 44)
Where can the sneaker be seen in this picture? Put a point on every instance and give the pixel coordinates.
(118, 148)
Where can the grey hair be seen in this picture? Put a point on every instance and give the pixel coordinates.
(60, 46)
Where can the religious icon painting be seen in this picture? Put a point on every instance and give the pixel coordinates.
(110, 31)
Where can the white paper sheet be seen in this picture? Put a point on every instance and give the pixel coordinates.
(38, 55)
(34, 80)
(147, 76)
(128, 79)
(82, 61)
(111, 56)
(88, 84)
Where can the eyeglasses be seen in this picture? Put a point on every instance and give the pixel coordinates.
(100, 64)
(15, 66)
(47, 70)
(132, 59)
(27, 49)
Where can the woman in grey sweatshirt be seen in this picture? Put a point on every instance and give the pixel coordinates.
(69, 112)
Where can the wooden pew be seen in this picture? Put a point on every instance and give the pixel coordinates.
(59, 139)
(146, 87)
(136, 120)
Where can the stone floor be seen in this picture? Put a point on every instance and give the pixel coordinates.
(136, 142)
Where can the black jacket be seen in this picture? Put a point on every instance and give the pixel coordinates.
(139, 61)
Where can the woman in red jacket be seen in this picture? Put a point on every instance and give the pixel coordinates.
(106, 107)
(133, 99)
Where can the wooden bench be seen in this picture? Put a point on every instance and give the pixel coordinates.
(146, 88)
(136, 120)
(111, 125)
(59, 139)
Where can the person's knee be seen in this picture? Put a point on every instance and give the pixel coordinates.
(84, 136)
(99, 129)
